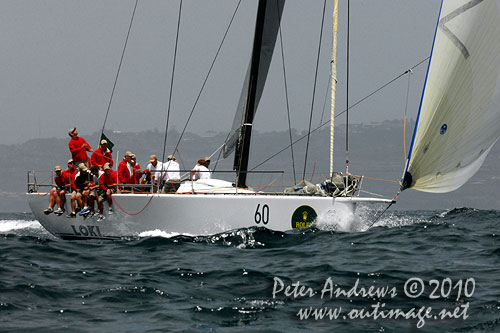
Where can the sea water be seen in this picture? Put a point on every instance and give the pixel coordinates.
(421, 271)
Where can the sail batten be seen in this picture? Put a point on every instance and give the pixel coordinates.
(459, 119)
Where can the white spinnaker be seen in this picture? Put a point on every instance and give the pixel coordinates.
(459, 118)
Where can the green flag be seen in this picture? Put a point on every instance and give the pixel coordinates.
(110, 144)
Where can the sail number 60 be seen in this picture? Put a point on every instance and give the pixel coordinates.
(262, 215)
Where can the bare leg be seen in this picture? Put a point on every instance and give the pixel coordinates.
(91, 203)
(73, 203)
(62, 199)
(79, 199)
(85, 198)
(110, 200)
(57, 198)
(52, 198)
(100, 205)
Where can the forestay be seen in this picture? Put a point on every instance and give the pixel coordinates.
(459, 116)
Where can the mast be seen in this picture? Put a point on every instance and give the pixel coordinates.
(243, 150)
(266, 31)
(333, 79)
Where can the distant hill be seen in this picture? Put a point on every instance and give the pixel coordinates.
(375, 151)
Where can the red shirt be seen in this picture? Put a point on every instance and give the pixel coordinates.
(99, 159)
(124, 176)
(62, 180)
(107, 179)
(78, 153)
(71, 173)
(137, 176)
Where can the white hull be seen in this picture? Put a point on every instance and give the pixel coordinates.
(194, 214)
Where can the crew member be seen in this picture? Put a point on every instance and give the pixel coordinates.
(78, 148)
(80, 194)
(106, 182)
(173, 175)
(71, 173)
(201, 170)
(83, 181)
(95, 192)
(126, 171)
(137, 170)
(102, 155)
(146, 180)
(156, 167)
(57, 193)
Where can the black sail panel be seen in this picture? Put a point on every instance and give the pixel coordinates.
(266, 32)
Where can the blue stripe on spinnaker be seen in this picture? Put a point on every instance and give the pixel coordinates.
(423, 92)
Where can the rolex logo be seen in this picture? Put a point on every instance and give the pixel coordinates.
(303, 217)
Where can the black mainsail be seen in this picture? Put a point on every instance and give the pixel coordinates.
(266, 31)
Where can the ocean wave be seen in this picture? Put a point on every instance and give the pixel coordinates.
(367, 217)
(22, 224)
(158, 233)
(16, 225)
(241, 238)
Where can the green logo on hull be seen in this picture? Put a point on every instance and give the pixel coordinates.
(303, 217)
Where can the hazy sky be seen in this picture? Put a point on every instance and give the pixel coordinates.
(58, 61)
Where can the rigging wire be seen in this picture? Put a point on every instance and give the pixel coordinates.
(383, 86)
(286, 93)
(326, 98)
(207, 76)
(340, 113)
(404, 118)
(172, 83)
(119, 67)
(383, 212)
(314, 89)
(347, 94)
(180, 159)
